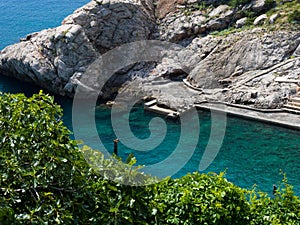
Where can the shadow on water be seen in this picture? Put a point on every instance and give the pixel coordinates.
(13, 86)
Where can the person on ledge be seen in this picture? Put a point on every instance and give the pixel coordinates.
(116, 146)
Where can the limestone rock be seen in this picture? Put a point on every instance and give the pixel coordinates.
(167, 6)
(241, 22)
(260, 20)
(221, 9)
(273, 18)
(249, 51)
(111, 23)
(179, 26)
(258, 5)
(49, 58)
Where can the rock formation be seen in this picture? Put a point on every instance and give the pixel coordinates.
(245, 67)
(56, 58)
(250, 67)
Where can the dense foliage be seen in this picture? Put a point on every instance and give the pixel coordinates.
(44, 179)
(42, 173)
(295, 16)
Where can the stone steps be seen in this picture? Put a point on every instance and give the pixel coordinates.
(291, 110)
(297, 104)
(152, 106)
(293, 106)
(295, 99)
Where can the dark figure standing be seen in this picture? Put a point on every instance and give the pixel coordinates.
(116, 146)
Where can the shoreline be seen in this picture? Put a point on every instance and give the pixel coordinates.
(277, 117)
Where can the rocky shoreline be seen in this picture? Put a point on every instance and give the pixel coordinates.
(257, 67)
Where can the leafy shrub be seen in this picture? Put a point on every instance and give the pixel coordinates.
(294, 16)
(41, 169)
(44, 179)
(201, 199)
(282, 209)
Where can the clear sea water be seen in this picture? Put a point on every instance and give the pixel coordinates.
(251, 153)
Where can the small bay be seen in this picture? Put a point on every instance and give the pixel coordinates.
(251, 153)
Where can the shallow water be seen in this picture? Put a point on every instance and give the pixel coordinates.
(251, 153)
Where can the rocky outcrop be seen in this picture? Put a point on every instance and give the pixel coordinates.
(110, 23)
(241, 53)
(182, 19)
(164, 7)
(252, 67)
(52, 59)
(188, 23)
(56, 58)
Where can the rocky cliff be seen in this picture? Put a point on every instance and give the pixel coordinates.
(244, 67)
(55, 59)
(257, 63)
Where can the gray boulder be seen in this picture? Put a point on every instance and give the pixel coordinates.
(241, 22)
(260, 20)
(220, 10)
(258, 5)
(273, 18)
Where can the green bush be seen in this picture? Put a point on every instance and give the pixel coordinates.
(201, 199)
(44, 179)
(41, 169)
(294, 16)
(282, 209)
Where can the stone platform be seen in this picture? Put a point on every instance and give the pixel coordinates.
(279, 118)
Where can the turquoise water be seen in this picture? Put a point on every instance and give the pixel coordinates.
(18, 17)
(252, 152)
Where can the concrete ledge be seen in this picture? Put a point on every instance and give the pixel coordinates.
(282, 119)
(150, 103)
(245, 107)
(284, 80)
(153, 107)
